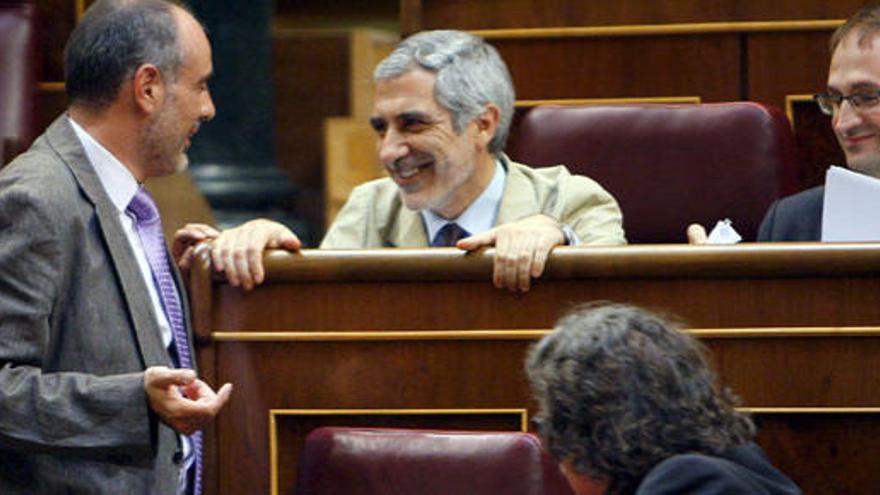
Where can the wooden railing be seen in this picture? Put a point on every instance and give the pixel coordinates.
(420, 338)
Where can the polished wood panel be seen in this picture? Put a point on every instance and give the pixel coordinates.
(51, 102)
(837, 439)
(57, 19)
(788, 326)
(498, 14)
(348, 13)
(658, 29)
(707, 67)
(806, 56)
(350, 156)
(804, 72)
(411, 16)
(323, 75)
(350, 159)
(311, 72)
(816, 143)
(781, 64)
(798, 372)
(795, 302)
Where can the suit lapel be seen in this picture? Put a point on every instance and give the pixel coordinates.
(64, 141)
(408, 231)
(519, 199)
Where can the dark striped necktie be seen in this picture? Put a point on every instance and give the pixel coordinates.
(449, 235)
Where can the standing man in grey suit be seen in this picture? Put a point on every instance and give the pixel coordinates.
(95, 391)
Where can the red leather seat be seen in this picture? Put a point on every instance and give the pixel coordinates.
(357, 461)
(18, 52)
(669, 165)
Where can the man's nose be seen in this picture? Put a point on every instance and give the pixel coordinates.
(846, 117)
(392, 147)
(208, 109)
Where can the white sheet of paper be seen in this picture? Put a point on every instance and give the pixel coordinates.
(723, 233)
(851, 210)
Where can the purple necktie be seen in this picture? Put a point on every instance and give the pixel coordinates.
(450, 234)
(149, 228)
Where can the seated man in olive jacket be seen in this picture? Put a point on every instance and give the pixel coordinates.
(443, 107)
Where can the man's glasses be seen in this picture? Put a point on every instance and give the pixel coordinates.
(830, 103)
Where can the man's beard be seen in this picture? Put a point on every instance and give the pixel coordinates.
(161, 145)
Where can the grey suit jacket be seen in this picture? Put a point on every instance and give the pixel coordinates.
(375, 217)
(77, 330)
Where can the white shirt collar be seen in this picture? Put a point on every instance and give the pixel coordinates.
(117, 180)
(480, 216)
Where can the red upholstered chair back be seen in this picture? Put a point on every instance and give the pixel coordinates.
(18, 52)
(669, 165)
(354, 461)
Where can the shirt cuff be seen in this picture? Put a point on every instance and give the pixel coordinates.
(571, 237)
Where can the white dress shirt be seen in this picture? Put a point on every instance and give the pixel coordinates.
(480, 215)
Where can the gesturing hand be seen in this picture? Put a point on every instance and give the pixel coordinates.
(181, 400)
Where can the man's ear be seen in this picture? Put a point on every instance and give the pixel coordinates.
(148, 88)
(487, 124)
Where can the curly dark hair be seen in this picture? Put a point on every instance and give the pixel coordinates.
(620, 389)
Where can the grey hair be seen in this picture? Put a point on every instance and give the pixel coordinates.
(620, 389)
(112, 40)
(470, 75)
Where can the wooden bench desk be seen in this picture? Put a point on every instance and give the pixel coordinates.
(421, 338)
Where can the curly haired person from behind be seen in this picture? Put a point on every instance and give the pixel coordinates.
(629, 405)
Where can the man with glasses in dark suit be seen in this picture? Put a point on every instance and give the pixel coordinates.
(852, 100)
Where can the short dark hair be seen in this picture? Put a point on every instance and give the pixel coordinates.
(113, 39)
(621, 389)
(866, 22)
